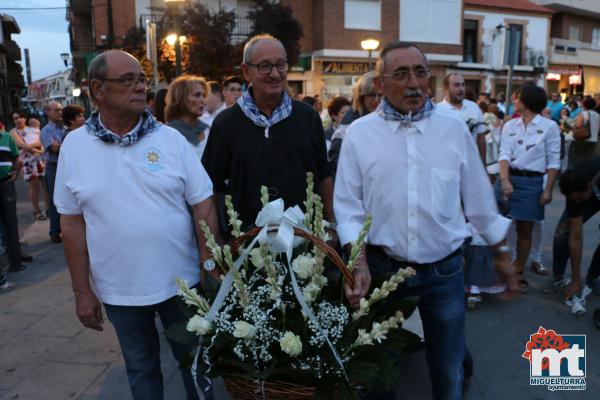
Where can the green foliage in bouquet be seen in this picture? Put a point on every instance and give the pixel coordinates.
(287, 319)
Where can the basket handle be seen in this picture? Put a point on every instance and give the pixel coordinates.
(329, 251)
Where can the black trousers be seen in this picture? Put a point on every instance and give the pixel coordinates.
(8, 217)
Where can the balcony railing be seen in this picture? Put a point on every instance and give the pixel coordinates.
(243, 27)
(12, 50)
(571, 46)
(156, 18)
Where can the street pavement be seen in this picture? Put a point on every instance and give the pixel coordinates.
(46, 354)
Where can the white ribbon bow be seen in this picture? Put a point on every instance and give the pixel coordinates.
(272, 214)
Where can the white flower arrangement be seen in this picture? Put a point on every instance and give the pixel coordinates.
(284, 317)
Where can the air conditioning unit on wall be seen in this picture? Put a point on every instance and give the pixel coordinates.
(538, 59)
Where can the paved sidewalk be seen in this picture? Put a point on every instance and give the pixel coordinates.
(46, 354)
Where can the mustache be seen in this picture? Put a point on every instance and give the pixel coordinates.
(413, 93)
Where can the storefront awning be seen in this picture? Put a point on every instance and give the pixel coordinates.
(591, 77)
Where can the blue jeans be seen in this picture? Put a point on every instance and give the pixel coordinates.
(440, 287)
(138, 337)
(50, 177)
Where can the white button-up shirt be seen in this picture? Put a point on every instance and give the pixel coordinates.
(208, 118)
(411, 180)
(536, 148)
(469, 112)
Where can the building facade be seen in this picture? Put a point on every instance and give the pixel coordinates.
(574, 51)
(331, 48)
(56, 87)
(12, 84)
(486, 42)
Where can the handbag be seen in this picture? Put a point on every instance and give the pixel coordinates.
(582, 133)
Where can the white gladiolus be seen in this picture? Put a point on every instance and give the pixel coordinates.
(290, 344)
(304, 266)
(198, 325)
(243, 330)
(256, 258)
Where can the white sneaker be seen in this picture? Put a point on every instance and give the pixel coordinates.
(6, 286)
(585, 292)
(577, 305)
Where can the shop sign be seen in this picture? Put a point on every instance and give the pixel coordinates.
(552, 76)
(575, 80)
(345, 68)
(563, 71)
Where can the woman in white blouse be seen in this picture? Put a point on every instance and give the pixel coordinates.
(529, 148)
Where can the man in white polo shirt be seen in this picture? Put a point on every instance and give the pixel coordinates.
(454, 101)
(123, 188)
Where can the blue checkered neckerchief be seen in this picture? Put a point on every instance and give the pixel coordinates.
(386, 111)
(250, 109)
(148, 125)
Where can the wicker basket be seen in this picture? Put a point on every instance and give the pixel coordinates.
(331, 253)
(247, 389)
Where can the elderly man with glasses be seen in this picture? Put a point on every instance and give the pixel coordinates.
(123, 188)
(267, 139)
(419, 179)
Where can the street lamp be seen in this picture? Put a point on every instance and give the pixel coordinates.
(65, 58)
(176, 6)
(369, 45)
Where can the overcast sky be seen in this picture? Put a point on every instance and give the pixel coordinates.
(43, 32)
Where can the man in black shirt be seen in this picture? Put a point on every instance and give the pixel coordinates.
(268, 139)
(581, 186)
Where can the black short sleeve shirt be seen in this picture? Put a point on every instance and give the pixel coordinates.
(240, 159)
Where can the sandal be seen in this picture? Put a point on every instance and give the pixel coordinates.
(39, 216)
(523, 284)
(539, 268)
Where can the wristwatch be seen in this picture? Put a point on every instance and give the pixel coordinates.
(209, 264)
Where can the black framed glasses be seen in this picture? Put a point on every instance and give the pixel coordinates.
(401, 75)
(128, 80)
(265, 67)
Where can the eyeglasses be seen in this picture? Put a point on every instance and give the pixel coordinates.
(265, 67)
(128, 80)
(404, 74)
(237, 89)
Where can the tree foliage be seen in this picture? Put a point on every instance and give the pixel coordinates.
(209, 39)
(271, 17)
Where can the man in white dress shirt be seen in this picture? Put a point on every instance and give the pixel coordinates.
(419, 179)
(454, 101)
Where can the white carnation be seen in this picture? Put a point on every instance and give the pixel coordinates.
(304, 266)
(291, 344)
(199, 325)
(243, 330)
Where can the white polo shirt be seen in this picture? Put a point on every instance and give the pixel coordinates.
(139, 232)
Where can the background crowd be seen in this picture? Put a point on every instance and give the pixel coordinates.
(524, 144)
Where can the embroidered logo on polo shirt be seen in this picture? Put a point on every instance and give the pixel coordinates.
(152, 157)
(512, 134)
